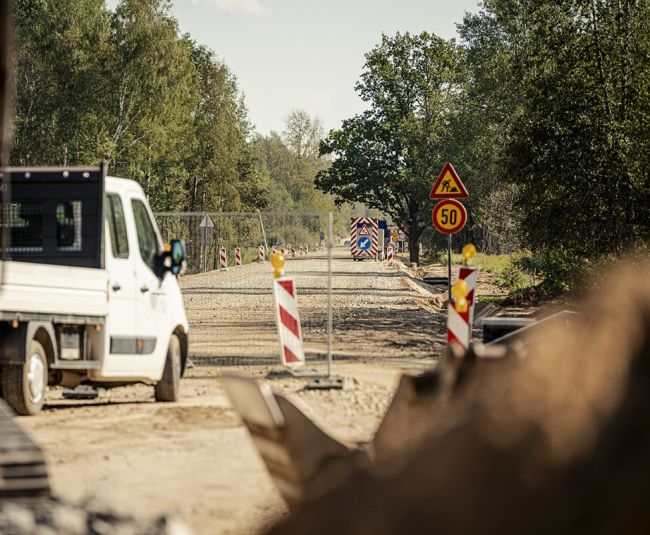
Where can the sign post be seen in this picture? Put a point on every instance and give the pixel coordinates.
(449, 215)
(206, 227)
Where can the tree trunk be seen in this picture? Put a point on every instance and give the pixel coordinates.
(6, 115)
(5, 78)
(414, 233)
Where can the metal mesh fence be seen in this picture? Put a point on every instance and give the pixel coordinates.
(231, 311)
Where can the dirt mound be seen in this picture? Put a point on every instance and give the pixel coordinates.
(556, 442)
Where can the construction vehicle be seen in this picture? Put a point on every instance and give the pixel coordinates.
(89, 295)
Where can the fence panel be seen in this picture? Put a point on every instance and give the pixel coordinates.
(231, 312)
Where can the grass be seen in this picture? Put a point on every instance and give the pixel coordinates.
(510, 270)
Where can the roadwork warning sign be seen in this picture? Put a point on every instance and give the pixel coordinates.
(448, 185)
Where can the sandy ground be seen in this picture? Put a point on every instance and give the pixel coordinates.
(194, 456)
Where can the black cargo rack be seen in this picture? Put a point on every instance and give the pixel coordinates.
(56, 215)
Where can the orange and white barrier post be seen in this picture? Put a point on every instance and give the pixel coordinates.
(237, 257)
(389, 254)
(287, 316)
(223, 259)
(261, 255)
(461, 302)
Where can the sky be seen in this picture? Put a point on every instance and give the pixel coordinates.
(306, 54)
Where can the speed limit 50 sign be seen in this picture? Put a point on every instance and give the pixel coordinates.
(449, 216)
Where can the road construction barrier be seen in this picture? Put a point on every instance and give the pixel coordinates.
(237, 257)
(261, 255)
(287, 316)
(288, 319)
(389, 254)
(223, 259)
(292, 250)
(461, 303)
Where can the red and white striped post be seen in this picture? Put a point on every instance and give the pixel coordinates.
(389, 255)
(237, 257)
(461, 302)
(287, 315)
(306, 249)
(288, 320)
(223, 259)
(459, 322)
(261, 255)
(292, 248)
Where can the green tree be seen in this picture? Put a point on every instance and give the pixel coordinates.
(127, 88)
(578, 147)
(154, 92)
(388, 156)
(62, 74)
(219, 161)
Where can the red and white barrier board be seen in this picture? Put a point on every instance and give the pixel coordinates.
(364, 237)
(459, 324)
(261, 255)
(389, 254)
(223, 259)
(288, 320)
(237, 257)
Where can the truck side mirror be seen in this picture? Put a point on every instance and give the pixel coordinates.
(177, 257)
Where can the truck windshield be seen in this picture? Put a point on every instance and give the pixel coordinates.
(147, 240)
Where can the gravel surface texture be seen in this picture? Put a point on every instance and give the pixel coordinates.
(194, 458)
(377, 310)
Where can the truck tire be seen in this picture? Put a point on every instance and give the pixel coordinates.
(168, 388)
(24, 386)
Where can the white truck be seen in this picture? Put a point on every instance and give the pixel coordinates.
(88, 293)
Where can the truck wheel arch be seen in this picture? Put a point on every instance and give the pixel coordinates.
(15, 341)
(183, 339)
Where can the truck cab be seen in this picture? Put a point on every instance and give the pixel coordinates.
(89, 293)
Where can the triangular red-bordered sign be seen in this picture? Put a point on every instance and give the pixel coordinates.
(364, 231)
(448, 185)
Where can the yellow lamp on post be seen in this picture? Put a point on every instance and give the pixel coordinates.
(277, 261)
(461, 305)
(459, 292)
(459, 289)
(468, 252)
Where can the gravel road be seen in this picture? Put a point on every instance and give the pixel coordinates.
(377, 312)
(194, 457)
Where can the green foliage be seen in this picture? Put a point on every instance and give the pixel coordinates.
(388, 156)
(544, 109)
(575, 143)
(125, 87)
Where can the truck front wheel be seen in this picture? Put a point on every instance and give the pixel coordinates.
(168, 388)
(24, 386)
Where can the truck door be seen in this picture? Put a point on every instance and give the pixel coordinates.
(121, 324)
(152, 318)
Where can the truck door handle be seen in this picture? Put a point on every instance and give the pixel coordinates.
(144, 289)
(116, 287)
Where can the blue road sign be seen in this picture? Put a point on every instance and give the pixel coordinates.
(364, 243)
